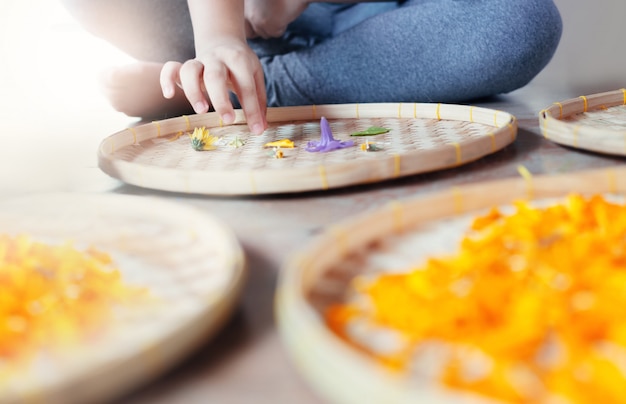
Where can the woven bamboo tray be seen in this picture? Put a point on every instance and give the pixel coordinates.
(394, 237)
(192, 265)
(422, 137)
(595, 122)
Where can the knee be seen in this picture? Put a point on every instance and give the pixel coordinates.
(488, 47)
(529, 36)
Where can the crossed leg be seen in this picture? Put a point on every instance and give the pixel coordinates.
(150, 31)
(422, 51)
(134, 89)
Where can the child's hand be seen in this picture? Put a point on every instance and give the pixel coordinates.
(224, 64)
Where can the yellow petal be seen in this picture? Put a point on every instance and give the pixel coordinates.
(284, 143)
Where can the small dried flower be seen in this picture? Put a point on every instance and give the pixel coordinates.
(237, 142)
(201, 139)
(370, 147)
(327, 142)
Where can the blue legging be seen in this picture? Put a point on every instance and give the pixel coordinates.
(396, 51)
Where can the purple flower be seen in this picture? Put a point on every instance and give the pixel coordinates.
(327, 142)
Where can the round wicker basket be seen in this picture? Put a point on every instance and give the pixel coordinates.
(391, 238)
(595, 122)
(421, 138)
(192, 266)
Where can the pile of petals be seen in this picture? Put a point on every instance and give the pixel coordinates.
(532, 307)
(53, 296)
(327, 142)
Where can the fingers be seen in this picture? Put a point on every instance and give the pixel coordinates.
(170, 77)
(191, 79)
(188, 76)
(217, 84)
(255, 104)
(213, 81)
(250, 89)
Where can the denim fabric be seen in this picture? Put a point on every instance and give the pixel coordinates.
(419, 51)
(396, 51)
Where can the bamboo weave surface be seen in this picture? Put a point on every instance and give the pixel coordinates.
(192, 265)
(595, 122)
(422, 137)
(393, 238)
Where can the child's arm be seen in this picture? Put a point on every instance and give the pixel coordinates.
(223, 61)
(269, 18)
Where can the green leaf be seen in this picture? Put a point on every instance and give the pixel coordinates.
(197, 144)
(372, 130)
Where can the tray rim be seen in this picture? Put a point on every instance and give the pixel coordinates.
(341, 373)
(124, 373)
(580, 136)
(322, 177)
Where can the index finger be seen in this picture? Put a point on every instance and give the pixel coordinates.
(251, 92)
(170, 77)
(216, 84)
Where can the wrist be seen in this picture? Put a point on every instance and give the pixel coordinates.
(208, 45)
